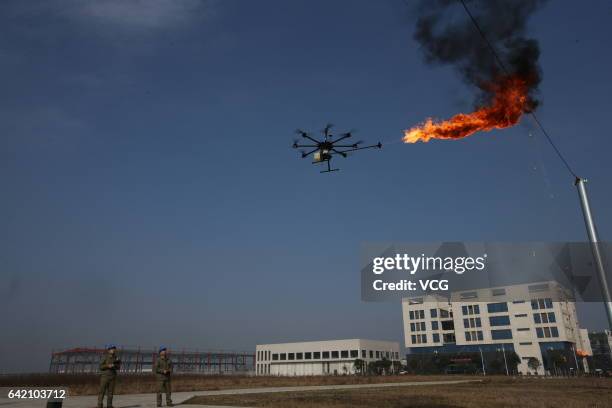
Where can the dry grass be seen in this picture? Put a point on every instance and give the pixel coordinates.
(87, 384)
(492, 393)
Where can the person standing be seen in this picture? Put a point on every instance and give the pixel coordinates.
(163, 372)
(108, 369)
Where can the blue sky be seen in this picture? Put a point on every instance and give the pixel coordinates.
(150, 194)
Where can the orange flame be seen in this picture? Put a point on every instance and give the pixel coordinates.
(510, 101)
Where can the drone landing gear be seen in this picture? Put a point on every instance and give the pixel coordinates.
(329, 169)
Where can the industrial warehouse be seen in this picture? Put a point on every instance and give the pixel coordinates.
(332, 357)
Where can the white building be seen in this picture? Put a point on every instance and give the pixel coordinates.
(331, 357)
(530, 324)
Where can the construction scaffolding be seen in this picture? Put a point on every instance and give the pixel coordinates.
(85, 360)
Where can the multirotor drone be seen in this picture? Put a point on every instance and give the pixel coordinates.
(324, 150)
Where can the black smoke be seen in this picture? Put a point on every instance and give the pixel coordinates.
(448, 36)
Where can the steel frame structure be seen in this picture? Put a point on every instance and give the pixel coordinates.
(85, 360)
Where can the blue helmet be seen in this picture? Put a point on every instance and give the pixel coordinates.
(110, 346)
(162, 348)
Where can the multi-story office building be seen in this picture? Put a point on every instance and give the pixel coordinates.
(332, 357)
(601, 342)
(523, 319)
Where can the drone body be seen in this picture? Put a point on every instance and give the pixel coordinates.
(324, 150)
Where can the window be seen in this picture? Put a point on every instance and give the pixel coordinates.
(448, 325)
(539, 332)
(299, 356)
(423, 339)
(499, 320)
(443, 313)
(378, 354)
(546, 332)
(554, 332)
(526, 343)
(412, 327)
(523, 329)
(275, 356)
(308, 356)
(497, 307)
(434, 325)
(283, 356)
(548, 303)
(326, 354)
(422, 326)
(473, 335)
(464, 310)
(551, 317)
(363, 354)
(291, 356)
(469, 295)
(421, 314)
(466, 323)
(387, 353)
(335, 354)
(501, 334)
(433, 313)
(521, 315)
(412, 315)
(436, 338)
(371, 353)
(344, 353)
(537, 318)
(413, 338)
(498, 292)
(317, 355)
(518, 301)
(534, 304)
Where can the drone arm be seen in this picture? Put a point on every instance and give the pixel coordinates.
(295, 146)
(378, 146)
(309, 153)
(305, 136)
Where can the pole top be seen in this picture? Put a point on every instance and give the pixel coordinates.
(579, 180)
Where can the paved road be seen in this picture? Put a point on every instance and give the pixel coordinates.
(148, 400)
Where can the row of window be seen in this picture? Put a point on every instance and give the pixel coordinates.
(547, 332)
(548, 317)
(473, 335)
(419, 326)
(433, 313)
(417, 314)
(472, 322)
(318, 355)
(541, 304)
(470, 309)
(263, 355)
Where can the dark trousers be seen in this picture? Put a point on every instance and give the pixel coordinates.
(164, 386)
(107, 386)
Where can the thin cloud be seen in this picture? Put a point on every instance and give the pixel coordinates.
(143, 13)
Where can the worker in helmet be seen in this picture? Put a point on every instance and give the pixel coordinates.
(108, 369)
(163, 371)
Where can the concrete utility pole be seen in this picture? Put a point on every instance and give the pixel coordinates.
(592, 232)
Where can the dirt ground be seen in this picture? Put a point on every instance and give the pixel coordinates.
(494, 392)
(87, 384)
